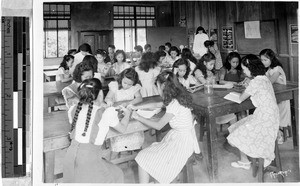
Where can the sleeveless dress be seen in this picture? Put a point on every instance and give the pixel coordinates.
(129, 141)
(164, 160)
(148, 81)
(255, 134)
(83, 162)
(284, 106)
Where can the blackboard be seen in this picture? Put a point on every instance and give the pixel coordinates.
(268, 31)
(160, 35)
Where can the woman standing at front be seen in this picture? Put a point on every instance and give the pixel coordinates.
(198, 46)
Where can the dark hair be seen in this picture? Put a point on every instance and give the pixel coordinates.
(200, 65)
(65, 60)
(92, 61)
(270, 54)
(111, 46)
(120, 52)
(147, 46)
(199, 29)
(229, 57)
(138, 48)
(161, 48)
(147, 61)
(254, 64)
(101, 52)
(129, 73)
(88, 92)
(79, 69)
(174, 48)
(185, 62)
(174, 89)
(159, 54)
(72, 51)
(209, 43)
(168, 44)
(85, 48)
(187, 54)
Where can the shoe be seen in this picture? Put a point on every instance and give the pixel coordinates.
(242, 165)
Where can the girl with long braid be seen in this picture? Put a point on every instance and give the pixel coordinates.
(84, 161)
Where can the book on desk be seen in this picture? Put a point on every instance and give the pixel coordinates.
(233, 96)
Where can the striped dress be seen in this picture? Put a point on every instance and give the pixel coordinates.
(164, 160)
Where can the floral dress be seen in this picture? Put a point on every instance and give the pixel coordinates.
(284, 106)
(255, 135)
(129, 141)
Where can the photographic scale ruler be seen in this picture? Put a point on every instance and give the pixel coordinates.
(15, 94)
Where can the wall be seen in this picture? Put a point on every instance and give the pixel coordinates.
(212, 15)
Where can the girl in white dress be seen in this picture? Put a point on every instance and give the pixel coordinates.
(255, 134)
(276, 75)
(148, 72)
(121, 63)
(164, 160)
(183, 69)
(126, 88)
(63, 73)
(198, 45)
(84, 161)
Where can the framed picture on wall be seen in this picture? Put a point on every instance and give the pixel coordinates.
(227, 37)
(294, 34)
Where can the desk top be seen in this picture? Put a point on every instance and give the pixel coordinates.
(57, 123)
(51, 67)
(216, 100)
(54, 88)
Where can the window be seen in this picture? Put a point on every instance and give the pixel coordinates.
(56, 30)
(130, 23)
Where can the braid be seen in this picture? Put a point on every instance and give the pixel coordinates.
(88, 118)
(78, 109)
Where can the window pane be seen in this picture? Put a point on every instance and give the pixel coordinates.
(138, 10)
(131, 10)
(143, 10)
(152, 10)
(60, 8)
(63, 24)
(129, 39)
(51, 24)
(121, 9)
(148, 10)
(149, 23)
(62, 42)
(126, 10)
(116, 9)
(118, 23)
(119, 38)
(46, 8)
(141, 36)
(128, 23)
(140, 23)
(67, 8)
(51, 44)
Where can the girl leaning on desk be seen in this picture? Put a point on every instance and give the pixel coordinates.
(84, 162)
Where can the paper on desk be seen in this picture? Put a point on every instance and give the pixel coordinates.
(233, 96)
(148, 113)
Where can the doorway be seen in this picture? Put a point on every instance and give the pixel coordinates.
(97, 39)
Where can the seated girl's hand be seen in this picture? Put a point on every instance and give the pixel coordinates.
(125, 110)
(228, 85)
(132, 107)
(109, 103)
(135, 115)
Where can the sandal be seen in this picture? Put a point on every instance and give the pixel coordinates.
(242, 165)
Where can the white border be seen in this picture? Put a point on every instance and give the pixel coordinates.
(36, 45)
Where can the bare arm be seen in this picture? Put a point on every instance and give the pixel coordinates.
(122, 126)
(137, 99)
(158, 125)
(109, 98)
(200, 77)
(274, 77)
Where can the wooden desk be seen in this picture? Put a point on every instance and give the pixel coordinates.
(51, 74)
(51, 90)
(57, 126)
(212, 106)
(51, 67)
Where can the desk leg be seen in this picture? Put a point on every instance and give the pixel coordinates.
(49, 166)
(212, 148)
(295, 117)
(46, 104)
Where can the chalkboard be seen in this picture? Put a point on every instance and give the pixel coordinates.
(268, 31)
(160, 35)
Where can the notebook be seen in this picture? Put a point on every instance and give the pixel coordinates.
(148, 113)
(233, 96)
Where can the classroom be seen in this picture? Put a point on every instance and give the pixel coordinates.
(154, 91)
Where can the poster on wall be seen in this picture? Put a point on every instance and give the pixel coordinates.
(227, 37)
(294, 34)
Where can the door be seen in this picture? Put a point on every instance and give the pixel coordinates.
(97, 39)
